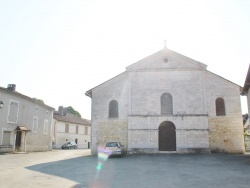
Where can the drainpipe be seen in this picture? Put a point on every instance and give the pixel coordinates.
(25, 141)
(54, 134)
(14, 142)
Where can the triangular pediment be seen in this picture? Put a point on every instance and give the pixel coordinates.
(166, 59)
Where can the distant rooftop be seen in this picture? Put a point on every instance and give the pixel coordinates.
(71, 119)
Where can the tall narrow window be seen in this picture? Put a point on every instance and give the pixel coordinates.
(46, 126)
(6, 138)
(86, 130)
(77, 128)
(35, 124)
(113, 109)
(220, 107)
(13, 111)
(66, 128)
(166, 103)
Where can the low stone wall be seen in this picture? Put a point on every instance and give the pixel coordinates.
(37, 148)
(6, 148)
(143, 150)
(194, 150)
(180, 150)
(9, 149)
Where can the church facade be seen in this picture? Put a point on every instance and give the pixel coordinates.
(167, 103)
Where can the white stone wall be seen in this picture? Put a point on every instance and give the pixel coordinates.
(187, 90)
(191, 132)
(226, 132)
(194, 91)
(115, 89)
(184, 86)
(61, 137)
(26, 111)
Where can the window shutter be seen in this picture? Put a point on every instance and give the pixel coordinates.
(13, 112)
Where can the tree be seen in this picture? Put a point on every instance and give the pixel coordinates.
(38, 100)
(71, 110)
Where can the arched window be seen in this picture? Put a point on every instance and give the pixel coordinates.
(113, 109)
(166, 103)
(220, 107)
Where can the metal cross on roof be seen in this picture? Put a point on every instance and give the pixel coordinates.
(165, 43)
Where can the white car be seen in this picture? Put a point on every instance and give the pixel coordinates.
(114, 148)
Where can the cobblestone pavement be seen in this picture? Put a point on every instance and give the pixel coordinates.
(77, 168)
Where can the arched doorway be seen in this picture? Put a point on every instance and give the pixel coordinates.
(167, 136)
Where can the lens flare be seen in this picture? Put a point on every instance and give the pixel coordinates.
(103, 155)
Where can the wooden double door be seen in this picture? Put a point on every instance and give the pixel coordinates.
(167, 136)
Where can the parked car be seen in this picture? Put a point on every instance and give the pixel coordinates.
(69, 145)
(114, 149)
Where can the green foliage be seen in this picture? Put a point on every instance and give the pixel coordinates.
(38, 100)
(245, 134)
(71, 110)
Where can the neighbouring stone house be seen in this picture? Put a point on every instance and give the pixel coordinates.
(246, 131)
(67, 127)
(25, 123)
(245, 92)
(168, 103)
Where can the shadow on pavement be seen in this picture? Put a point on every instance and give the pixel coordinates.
(155, 170)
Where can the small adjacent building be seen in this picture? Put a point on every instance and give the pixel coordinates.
(67, 127)
(168, 103)
(246, 92)
(25, 123)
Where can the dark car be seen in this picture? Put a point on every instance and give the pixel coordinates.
(69, 145)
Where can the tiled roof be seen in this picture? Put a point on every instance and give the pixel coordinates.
(25, 97)
(72, 119)
(247, 83)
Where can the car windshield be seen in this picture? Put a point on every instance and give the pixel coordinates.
(111, 144)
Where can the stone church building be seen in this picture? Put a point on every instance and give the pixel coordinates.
(168, 103)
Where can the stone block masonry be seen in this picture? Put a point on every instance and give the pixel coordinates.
(113, 130)
(226, 135)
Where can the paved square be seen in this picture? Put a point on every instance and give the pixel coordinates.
(76, 168)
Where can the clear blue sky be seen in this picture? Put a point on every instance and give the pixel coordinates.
(56, 50)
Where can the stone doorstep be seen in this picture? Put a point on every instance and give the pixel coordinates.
(19, 152)
(179, 150)
(167, 152)
(6, 146)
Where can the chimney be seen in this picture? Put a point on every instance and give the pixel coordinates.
(65, 111)
(11, 87)
(60, 110)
